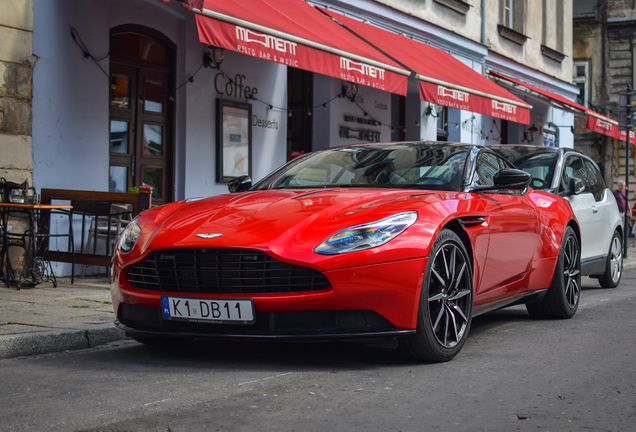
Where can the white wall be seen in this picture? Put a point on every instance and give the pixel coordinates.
(491, 128)
(70, 96)
(269, 145)
(428, 124)
(376, 103)
(563, 119)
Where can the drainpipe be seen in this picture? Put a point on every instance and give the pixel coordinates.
(603, 48)
(604, 139)
(483, 22)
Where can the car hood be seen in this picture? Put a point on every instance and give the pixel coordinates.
(287, 223)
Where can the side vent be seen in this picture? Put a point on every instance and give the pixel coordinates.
(473, 221)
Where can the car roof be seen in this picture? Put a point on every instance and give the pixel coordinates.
(532, 150)
(389, 144)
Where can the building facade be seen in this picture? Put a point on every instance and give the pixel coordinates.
(16, 66)
(126, 93)
(603, 54)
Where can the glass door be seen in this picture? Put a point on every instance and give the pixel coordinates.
(141, 120)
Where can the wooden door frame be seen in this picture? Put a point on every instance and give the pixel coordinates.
(168, 182)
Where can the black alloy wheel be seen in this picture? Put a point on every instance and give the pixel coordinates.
(446, 303)
(562, 299)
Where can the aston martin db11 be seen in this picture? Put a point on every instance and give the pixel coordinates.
(399, 243)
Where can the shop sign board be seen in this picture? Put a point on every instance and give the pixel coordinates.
(284, 51)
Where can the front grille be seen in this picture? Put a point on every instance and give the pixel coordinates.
(222, 271)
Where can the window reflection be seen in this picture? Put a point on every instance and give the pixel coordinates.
(118, 136)
(117, 179)
(120, 91)
(152, 177)
(138, 46)
(152, 140)
(153, 94)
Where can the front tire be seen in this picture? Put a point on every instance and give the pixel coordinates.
(613, 264)
(446, 303)
(562, 299)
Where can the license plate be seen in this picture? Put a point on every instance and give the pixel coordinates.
(208, 310)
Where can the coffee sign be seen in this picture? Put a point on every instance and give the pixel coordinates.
(226, 86)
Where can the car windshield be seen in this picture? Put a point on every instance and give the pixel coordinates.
(540, 162)
(420, 166)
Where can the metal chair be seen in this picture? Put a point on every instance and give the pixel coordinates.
(107, 221)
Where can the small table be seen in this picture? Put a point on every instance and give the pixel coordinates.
(36, 265)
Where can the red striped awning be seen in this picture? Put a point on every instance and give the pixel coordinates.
(294, 33)
(595, 122)
(443, 79)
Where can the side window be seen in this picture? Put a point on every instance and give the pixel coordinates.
(574, 168)
(596, 181)
(487, 166)
(502, 163)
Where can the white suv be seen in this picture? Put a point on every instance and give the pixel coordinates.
(576, 177)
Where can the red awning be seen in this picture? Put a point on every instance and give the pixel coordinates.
(595, 121)
(294, 33)
(444, 80)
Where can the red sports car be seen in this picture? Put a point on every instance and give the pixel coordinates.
(395, 243)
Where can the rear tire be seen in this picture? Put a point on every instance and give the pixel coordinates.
(446, 303)
(562, 299)
(613, 264)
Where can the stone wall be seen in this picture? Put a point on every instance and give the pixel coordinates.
(619, 73)
(16, 72)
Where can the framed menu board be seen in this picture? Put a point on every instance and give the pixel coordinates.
(234, 140)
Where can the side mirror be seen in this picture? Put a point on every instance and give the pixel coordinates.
(576, 186)
(508, 178)
(239, 184)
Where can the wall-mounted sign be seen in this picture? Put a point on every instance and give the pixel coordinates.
(234, 140)
(361, 135)
(550, 138)
(228, 87)
(380, 105)
(361, 120)
(264, 123)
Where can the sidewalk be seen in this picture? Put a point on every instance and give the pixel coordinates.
(44, 319)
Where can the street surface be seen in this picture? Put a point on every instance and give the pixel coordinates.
(514, 373)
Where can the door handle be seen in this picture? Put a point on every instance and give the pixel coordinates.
(594, 209)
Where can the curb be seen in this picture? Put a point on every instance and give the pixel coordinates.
(29, 344)
(629, 265)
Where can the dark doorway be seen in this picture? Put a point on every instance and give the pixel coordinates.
(300, 99)
(398, 117)
(504, 132)
(141, 112)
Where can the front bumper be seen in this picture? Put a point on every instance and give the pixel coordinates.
(373, 300)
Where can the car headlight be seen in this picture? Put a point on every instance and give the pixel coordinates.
(367, 236)
(129, 237)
